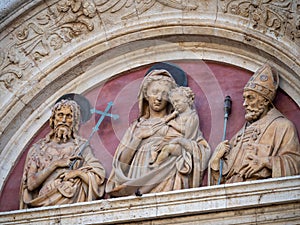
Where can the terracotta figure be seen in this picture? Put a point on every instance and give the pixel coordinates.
(185, 122)
(267, 145)
(132, 172)
(51, 176)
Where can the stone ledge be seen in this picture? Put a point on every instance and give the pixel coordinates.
(248, 202)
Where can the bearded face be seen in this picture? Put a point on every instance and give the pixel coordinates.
(255, 106)
(63, 121)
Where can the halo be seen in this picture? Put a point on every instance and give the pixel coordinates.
(177, 73)
(85, 106)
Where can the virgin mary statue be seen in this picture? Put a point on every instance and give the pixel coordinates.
(132, 172)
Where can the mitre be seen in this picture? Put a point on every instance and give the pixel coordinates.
(264, 82)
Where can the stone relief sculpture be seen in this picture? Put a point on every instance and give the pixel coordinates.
(267, 145)
(133, 170)
(182, 99)
(49, 30)
(279, 17)
(55, 173)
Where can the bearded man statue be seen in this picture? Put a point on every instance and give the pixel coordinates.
(56, 170)
(267, 145)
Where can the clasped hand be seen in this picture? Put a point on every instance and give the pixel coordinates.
(72, 174)
(182, 142)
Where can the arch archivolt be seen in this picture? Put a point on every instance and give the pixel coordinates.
(112, 45)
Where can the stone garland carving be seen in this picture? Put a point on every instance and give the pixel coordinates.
(45, 33)
(59, 25)
(280, 17)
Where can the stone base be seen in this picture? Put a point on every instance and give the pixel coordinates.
(272, 201)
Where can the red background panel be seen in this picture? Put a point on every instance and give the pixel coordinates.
(210, 81)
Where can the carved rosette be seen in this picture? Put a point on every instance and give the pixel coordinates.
(280, 17)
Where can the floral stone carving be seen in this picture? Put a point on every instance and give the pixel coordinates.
(280, 17)
(47, 32)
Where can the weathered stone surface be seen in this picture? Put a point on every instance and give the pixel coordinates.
(40, 50)
(273, 201)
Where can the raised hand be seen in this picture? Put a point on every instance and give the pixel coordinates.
(66, 162)
(144, 132)
(222, 149)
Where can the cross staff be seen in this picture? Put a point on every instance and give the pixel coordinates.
(114, 116)
(96, 128)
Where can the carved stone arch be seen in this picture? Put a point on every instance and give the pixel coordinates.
(110, 48)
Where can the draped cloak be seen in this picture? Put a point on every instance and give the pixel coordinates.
(272, 136)
(54, 190)
(176, 172)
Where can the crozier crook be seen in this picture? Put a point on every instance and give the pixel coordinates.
(227, 111)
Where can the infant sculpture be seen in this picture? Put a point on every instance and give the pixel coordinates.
(266, 146)
(158, 152)
(51, 176)
(163, 150)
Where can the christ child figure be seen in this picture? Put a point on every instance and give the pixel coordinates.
(182, 99)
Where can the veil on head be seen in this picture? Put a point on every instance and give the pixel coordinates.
(175, 75)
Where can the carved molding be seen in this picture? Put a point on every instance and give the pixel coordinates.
(270, 201)
(59, 24)
(51, 29)
(140, 6)
(41, 38)
(280, 17)
(46, 32)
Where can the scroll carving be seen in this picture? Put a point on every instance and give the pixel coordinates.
(141, 6)
(280, 17)
(11, 65)
(47, 32)
(59, 24)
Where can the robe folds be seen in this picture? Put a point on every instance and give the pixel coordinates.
(174, 173)
(55, 190)
(272, 136)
